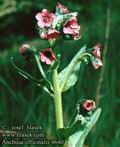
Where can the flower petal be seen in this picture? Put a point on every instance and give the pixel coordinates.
(71, 27)
(38, 16)
(96, 51)
(88, 105)
(42, 57)
(48, 61)
(47, 56)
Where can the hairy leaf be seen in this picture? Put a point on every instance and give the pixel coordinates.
(77, 139)
(42, 83)
(68, 77)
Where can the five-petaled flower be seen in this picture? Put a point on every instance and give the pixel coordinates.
(72, 28)
(24, 48)
(88, 105)
(45, 18)
(96, 52)
(47, 56)
(61, 8)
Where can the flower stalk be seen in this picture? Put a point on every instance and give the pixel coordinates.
(39, 66)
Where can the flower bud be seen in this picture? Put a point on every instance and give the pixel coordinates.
(88, 105)
(23, 49)
(85, 107)
(61, 9)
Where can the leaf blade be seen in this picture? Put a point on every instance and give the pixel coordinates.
(77, 139)
(27, 76)
(68, 76)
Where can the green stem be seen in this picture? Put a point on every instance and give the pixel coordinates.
(40, 66)
(57, 100)
(85, 54)
(67, 74)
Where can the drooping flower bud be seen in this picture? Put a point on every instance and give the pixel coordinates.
(47, 56)
(85, 107)
(88, 105)
(24, 48)
(96, 56)
(61, 9)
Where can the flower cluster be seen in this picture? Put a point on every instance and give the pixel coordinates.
(48, 28)
(46, 21)
(60, 25)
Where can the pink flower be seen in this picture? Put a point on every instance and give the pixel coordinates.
(50, 34)
(71, 27)
(96, 51)
(97, 63)
(47, 56)
(61, 8)
(88, 105)
(23, 48)
(45, 18)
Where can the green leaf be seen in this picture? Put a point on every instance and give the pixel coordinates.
(24, 74)
(72, 79)
(64, 133)
(77, 139)
(42, 83)
(68, 77)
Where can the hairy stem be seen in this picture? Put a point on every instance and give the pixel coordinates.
(57, 100)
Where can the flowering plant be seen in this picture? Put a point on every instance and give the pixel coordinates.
(56, 28)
